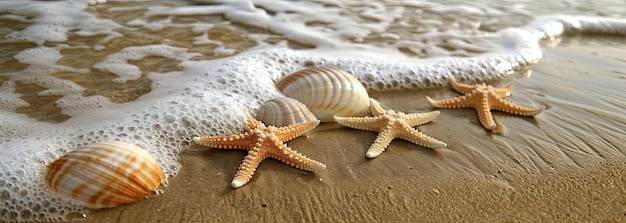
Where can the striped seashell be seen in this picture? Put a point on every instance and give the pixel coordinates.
(327, 92)
(105, 174)
(283, 111)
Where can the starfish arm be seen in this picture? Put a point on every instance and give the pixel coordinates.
(376, 108)
(416, 119)
(241, 141)
(505, 106)
(503, 92)
(383, 140)
(247, 168)
(374, 124)
(415, 136)
(463, 88)
(458, 102)
(484, 113)
(290, 132)
(251, 123)
(295, 159)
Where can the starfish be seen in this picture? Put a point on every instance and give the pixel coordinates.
(263, 142)
(390, 125)
(484, 98)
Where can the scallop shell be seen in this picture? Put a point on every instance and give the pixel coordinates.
(105, 174)
(283, 111)
(327, 92)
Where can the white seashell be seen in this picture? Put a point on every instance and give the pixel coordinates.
(327, 92)
(105, 174)
(283, 111)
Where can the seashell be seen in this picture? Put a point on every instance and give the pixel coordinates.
(283, 111)
(105, 174)
(327, 92)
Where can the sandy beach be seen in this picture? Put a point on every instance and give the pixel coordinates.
(566, 165)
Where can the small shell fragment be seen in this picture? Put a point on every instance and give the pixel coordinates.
(283, 111)
(327, 92)
(105, 174)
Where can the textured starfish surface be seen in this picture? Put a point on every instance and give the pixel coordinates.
(390, 125)
(263, 142)
(484, 98)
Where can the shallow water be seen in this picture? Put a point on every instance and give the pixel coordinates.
(157, 75)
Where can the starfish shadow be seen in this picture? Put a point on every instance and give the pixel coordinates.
(500, 128)
(402, 148)
(327, 127)
(362, 148)
(341, 133)
(216, 164)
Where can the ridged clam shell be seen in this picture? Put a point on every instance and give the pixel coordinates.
(283, 111)
(327, 92)
(105, 174)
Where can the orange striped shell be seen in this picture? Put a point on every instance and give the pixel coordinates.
(105, 174)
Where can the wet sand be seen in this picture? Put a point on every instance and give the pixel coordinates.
(566, 164)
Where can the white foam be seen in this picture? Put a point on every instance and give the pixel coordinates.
(52, 21)
(8, 99)
(117, 63)
(208, 97)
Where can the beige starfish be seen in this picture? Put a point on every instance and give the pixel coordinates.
(484, 98)
(391, 125)
(263, 142)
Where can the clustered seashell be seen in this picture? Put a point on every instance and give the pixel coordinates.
(105, 174)
(283, 111)
(327, 92)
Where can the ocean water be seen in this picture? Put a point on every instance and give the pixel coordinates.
(156, 74)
